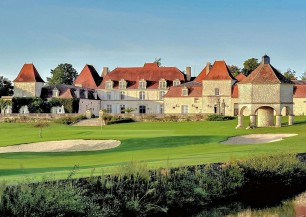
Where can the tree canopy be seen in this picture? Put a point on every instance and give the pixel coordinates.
(6, 87)
(303, 77)
(249, 65)
(234, 70)
(63, 74)
(290, 74)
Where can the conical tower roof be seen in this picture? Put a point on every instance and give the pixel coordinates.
(28, 73)
(265, 73)
(88, 78)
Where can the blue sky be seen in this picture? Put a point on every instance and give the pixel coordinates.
(123, 33)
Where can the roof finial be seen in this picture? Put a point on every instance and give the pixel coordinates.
(265, 59)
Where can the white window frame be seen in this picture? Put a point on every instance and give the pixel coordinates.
(122, 84)
(142, 95)
(185, 91)
(176, 82)
(142, 84)
(109, 109)
(184, 109)
(122, 108)
(122, 95)
(162, 94)
(162, 84)
(109, 84)
(108, 95)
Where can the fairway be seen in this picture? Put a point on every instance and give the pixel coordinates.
(158, 144)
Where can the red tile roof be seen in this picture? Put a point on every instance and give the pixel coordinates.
(201, 76)
(28, 73)
(150, 72)
(265, 74)
(194, 90)
(235, 93)
(88, 78)
(219, 71)
(240, 77)
(299, 91)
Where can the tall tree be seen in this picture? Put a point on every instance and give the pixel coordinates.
(235, 70)
(303, 77)
(158, 61)
(249, 65)
(63, 74)
(6, 87)
(290, 74)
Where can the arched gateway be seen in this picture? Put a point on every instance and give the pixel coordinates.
(266, 95)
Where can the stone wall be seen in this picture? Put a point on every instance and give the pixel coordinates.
(28, 89)
(173, 105)
(89, 104)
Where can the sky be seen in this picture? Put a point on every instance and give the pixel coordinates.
(128, 33)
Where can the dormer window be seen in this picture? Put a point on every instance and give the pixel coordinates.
(217, 92)
(109, 84)
(185, 91)
(162, 84)
(122, 84)
(55, 92)
(176, 82)
(142, 84)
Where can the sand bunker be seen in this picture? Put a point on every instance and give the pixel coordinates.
(62, 146)
(256, 138)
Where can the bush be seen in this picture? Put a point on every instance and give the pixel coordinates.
(215, 117)
(69, 119)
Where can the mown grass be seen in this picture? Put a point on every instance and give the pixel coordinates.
(159, 144)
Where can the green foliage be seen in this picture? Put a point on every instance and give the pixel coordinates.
(215, 117)
(235, 70)
(249, 65)
(41, 125)
(4, 104)
(303, 77)
(63, 74)
(290, 74)
(129, 110)
(158, 61)
(69, 119)
(38, 105)
(6, 87)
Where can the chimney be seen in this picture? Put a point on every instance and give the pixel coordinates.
(188, 73)
(265, 59)
(207, 67)
(105, 71)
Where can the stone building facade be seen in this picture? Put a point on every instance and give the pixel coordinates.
(265, 95)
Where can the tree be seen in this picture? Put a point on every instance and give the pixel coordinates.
(303, 77)
(6, 87)
(249, 65)
(235, 70)
(63, 74)
(290, 74)
(41, 125)
(158, 61)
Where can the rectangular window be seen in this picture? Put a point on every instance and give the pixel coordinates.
(142, 109)
(185, 92)
(176, 82)
(109, 108)
(122, 95)
(142, 84)
(109, 85)
(142, 95)
(108, 95)
(217, 92)
(162, 84)
(184, 109)
(196, 100)
(122, 84)
(161, 95)
(122, 109)
(161, 109)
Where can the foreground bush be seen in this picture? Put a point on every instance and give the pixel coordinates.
(137, 191)
(219, 118)
(69, 119)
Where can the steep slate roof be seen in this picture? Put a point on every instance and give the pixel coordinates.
(194, 90)
(150, 72)
(219, 71)
(28, 73)
(266, 74)
(66, 91)
(201, 76)
(88, 78)
(240, 77)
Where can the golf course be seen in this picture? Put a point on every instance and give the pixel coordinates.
(159, 144)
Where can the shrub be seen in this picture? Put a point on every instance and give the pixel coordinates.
(69, 119)
(215, 117)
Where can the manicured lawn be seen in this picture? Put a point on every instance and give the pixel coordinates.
(159, 144)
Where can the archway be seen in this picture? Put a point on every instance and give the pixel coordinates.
(244, 111)
(265, 116)
(287, 111)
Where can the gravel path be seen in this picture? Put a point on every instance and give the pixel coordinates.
(62, 146)
(256, 138)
